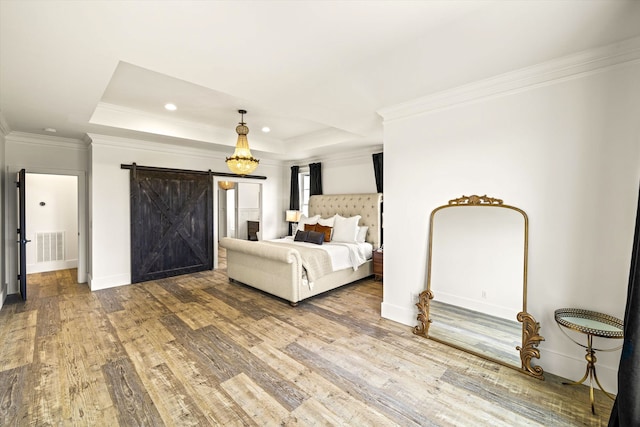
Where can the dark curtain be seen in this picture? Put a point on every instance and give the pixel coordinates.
(378, 160)
(294, 193)
(626, 409)
(315, 179)
(377, 170)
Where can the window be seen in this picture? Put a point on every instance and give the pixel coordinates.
(305, 189)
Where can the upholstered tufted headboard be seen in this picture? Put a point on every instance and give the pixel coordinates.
(367, 205)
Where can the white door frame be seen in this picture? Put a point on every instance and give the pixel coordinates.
(83, 234)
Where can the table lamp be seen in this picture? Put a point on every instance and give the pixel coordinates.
(293, 217)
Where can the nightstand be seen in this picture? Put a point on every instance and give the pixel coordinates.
(253, 227)
(378, 264)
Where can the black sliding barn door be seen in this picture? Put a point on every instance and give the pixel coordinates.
(171, 223)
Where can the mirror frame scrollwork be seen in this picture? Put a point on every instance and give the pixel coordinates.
(530, 327)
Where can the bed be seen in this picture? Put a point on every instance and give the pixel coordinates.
(278, 269)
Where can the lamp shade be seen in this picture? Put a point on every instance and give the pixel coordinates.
(292, 216)
(226, 185)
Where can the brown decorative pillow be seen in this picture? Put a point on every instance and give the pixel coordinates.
(326, 230)
(315, 237)
(310, 227)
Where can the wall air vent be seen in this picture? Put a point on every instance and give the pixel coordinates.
(50, 246)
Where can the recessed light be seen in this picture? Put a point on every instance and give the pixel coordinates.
(52, 130)
(266, 129)
(170, 107)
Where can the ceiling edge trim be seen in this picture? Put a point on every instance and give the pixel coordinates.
(45, 140)
(343, 157)
(564, 68)
(142, 145)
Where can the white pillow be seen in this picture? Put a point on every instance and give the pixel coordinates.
(362, 234)
(345, 229)
(327, 222)
(304, 220)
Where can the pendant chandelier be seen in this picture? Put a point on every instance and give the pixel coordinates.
(242, 162)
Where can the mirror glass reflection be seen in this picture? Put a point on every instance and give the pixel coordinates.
(239, 208)
(476, 277)
(239, 212)
(227, 209)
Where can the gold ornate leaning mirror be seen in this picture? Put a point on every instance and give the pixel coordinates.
(476, 296)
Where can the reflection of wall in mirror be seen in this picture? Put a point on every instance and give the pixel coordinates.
(226, 213)
(478, 259)
(248, 195)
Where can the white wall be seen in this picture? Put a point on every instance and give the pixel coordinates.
(109, 198)
(564, 147)
(59, 193)
(350, 173)
(344, 173)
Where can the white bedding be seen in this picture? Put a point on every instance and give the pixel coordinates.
(343, 255)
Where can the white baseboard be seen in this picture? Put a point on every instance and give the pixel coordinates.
(43, 267)
(398, 314)
(573, 368)
(96, 284)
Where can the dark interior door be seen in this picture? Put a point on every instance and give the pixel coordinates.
(171, 223)
(22, 234)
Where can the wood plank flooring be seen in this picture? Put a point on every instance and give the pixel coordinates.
(197, 350)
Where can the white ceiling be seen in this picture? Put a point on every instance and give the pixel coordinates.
(315, 72)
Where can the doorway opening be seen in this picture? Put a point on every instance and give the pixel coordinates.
(51, 204)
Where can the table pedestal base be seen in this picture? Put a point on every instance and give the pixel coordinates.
(592, 324)
(591, 374)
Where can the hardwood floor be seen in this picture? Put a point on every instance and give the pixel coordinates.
(198, 350)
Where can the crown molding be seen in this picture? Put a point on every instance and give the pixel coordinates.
(565, 68)
(46, 140)
(350, 157)
(343, 157)
(143, 145)
(158, 147)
